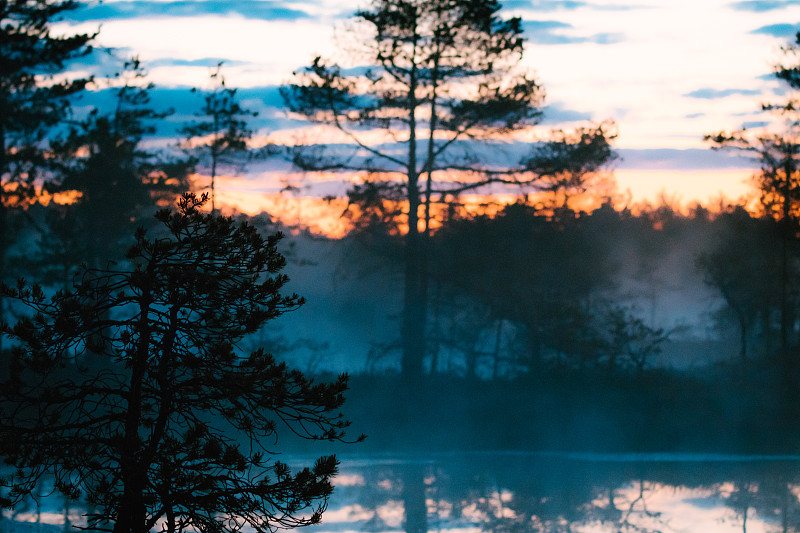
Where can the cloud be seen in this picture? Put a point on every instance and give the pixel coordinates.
(210, 62)
(708, 93)
(544, 5)
(763, 5)
(606, 38)
(694, 115)
(566, 5)
(254, 9)
(266, 100)
(544, 25)
(101, 61)
(547, 32)
(754, 124)
(676, 159)
(780, 89)
(783, 31)
(557, 113)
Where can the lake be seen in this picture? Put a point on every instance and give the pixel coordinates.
(517, 492)
(520, 492)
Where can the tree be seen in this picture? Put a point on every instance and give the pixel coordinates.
(629, 341)
(778, 180)
(29, 52)
(129, 388)
(567, 164)
(742, 268)
(31, 99)
(441, 76)
(222, 134)
(531, 271)
(102, 158)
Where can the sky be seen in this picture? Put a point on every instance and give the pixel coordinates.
(666, 71)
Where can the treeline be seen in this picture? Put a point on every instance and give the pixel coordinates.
(611, 291)
(79, 194)
(608, 330)
(575, 288)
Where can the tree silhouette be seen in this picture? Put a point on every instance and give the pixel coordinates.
(129, 390)
(441, 75)
(221, 134)
(29, 52)
(102, 158)
(569, 163)
(531, 270)
(31, 99)
(746, 281)
(778, 180)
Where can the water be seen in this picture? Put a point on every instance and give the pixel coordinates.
(521, 492)
(509, 492)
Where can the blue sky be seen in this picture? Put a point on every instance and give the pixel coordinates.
(667, 71)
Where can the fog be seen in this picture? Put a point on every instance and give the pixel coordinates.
(353, 295)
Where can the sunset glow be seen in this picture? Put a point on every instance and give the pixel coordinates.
(666, 73)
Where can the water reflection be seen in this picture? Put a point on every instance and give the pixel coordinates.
(516, 493)
(520, 493)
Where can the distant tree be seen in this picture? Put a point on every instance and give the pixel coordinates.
(742, 268)
(630, 343)
(31, 100)
(778, 180)
(790, 72)
(531, 270)
(441, 75)
(220, 134)
(569, 164)
(128, 390)
(102, 157)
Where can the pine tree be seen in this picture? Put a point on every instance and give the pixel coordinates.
(128, 389)
(28, 52)
(444, 83)
(103, 159)
(778, 154)
(31, 101)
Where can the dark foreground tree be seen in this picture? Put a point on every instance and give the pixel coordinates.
(128, 390)
(29, 55)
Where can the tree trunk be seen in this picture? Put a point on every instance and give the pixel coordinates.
(414, 304)
(3, 215)
(787, 228)
(133, 511)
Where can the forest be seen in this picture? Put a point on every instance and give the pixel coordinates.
(155, 342)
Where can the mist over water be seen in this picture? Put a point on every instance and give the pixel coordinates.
(558, 492)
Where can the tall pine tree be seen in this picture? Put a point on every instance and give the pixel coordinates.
(778, 154)
(103, 158)
(444, 81)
